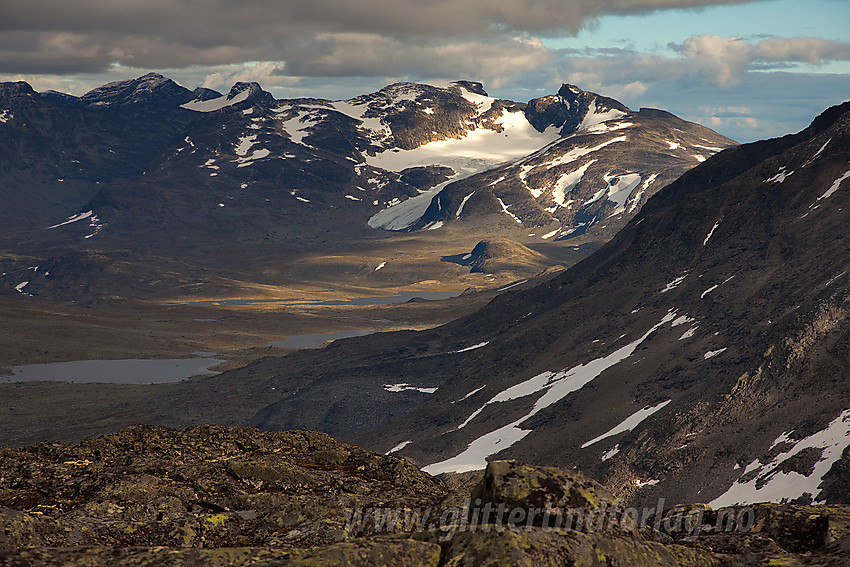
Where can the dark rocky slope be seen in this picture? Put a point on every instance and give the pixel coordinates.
(722, 307)
(237, 496)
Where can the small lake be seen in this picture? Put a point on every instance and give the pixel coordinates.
(360, 301)
(316, 340)
(150, 371)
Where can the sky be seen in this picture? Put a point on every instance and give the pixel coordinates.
(748, 69)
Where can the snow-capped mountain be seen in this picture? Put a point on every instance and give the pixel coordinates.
(159, 164)
(607, 161)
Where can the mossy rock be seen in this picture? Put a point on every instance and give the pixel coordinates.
(525, 486)
(539, 547)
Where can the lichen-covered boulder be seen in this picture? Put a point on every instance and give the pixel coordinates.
(526, 487)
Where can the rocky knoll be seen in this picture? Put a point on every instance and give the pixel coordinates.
(239, 496)
(501, 255)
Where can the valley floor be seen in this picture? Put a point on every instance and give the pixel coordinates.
(235, 305)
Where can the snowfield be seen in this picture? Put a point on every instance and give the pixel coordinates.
(554, 386)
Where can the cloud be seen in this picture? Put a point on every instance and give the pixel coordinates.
(356, 54)
(724, 60)
(55, 36)
(720, 59)
(812, 50)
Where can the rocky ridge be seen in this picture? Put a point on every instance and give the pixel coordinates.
(238, 496)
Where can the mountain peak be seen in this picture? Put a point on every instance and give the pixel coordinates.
(62, 99)
(203, 93)
(472, 86)
(208, 100)
(151, 88)
(569, 108)
(254, 90)
(16, 88)
(14, 96)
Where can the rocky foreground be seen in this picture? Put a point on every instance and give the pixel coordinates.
(238, 496)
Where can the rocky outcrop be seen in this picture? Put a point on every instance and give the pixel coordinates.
(568, 108)
(515, 485)
(238, 496)
(203, 487)
(502, 255)
(499, 254)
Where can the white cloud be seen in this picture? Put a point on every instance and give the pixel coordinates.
(357, 54)
(57, 36)
(722, 60)
(812, 50)
(270, 74)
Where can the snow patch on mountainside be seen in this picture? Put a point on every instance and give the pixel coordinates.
(480, 149)
(608, 454)
(780, 177)
(462, 203)
(507, 212)
(401, 215)
(404, 387)
(713, 353)
(772, 484)
(710, 233)
(566, 182)
(554, 387)
(712, 288)
(635, 201)
(629, 423)
(473, 347)
(298, 127)
(674, 284)
(577, 153)
(619, 189)
(484, 103)
(217, 103)
(689, 333)
(398, 447)
(817, 153)
(245, 143)
(596, 116)
(255, 155)
(834, 186)
(73, 219)
(608, 126)
(372, 126)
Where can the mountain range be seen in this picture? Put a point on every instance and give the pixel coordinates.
(146, 169)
